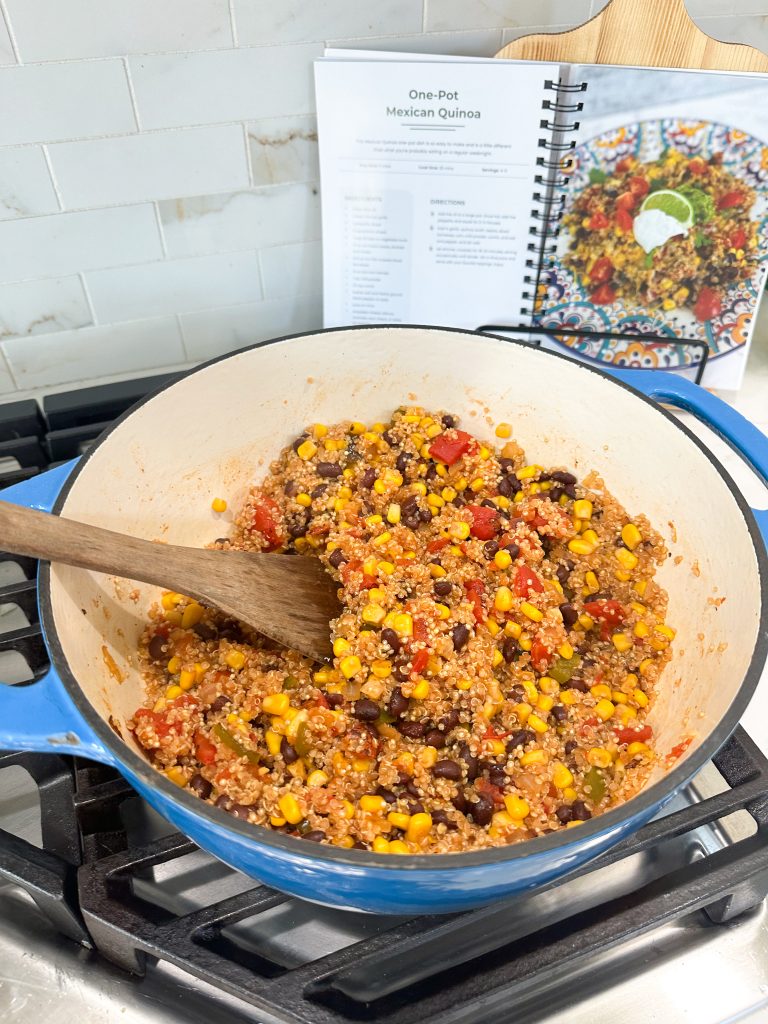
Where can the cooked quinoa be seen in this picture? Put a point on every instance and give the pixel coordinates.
(498, 651)
(694, 270)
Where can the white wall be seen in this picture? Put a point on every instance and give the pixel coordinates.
(158, 165)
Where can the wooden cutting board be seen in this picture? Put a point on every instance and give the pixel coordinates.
(649, 33)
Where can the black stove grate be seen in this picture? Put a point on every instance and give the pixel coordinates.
(480, 965)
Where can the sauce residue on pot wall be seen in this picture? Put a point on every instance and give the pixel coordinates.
(112, 666)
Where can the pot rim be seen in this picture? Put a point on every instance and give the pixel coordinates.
(643, 805)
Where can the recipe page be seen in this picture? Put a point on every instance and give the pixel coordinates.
(427, 176)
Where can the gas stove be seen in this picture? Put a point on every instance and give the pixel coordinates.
(107, 914)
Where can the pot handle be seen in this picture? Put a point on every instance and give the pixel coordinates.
(743, 436)
(41, 716)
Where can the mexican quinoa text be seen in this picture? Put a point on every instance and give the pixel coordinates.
(494, 663)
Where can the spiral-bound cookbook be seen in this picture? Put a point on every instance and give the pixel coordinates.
(620, 213)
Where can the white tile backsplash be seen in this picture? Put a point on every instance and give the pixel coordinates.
(158, 165)
(42, 307)
(73, 29)
(152, 165)
(94, 352)
(283, 149)
(48, 102)
(65, 243)
(174, 286)
(297, 21)
(241, 220)
(7, 55)
(448, 15)
(232, 85)
(214, 332)
(26, 189)
(288, 270)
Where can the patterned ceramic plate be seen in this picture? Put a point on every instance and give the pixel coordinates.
(567, 302)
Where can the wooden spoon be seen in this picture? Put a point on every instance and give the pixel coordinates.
(290, 600)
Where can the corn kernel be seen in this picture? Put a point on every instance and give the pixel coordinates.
(531, 612)
(622, 642)
(436, 571)
(174, 665)
(569, 697)
(523, 711)
(388, 568)
(382, 539)
(448, 494)
(525, 643)
(219, 505)
(235, 659)
(586, 621)
(501, 501)
(645, 666)
(276, 703)
(592, 584)
(640, 698)
(276, 822)
(428, 756)
(316, 779)
(604, 709)
(399, 820)
(537, 724)
(600, 690)
(502, 559)
(537, 756)
(517, 807)
(397, 846)
(562, 777)
(350, 666)
(618, 697)
(443, 611)
(404, 624)
(527, 472)
(361, 764)
(187, 679)
(418, 827)
(340, 646)
(170, 600)
(631, 536)
(570, 794)
(380, 845)
(176, 775)
(565, 651)
(627, 560)
(591, 538)
(665, 630)
(372, 614)
(545, 702)
(640, 587)
(459, 530)
(303, 499)
(504, 430)
(497, 658)
(599, 757)
(306, 450)
(503, 599)
(274, 739)
(580, 547)
(638, 748)
(548, 685)
(381, 668)
(464, 684)
(393, 513)
(514, 629)
(421, 690)
(582, 508)
(372, 804)
(477, 484)
(290, 808)
(493, 627)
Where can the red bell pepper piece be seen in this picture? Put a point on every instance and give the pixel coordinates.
(697, 166)
(475, 591)
(540, 656)
(526, 580)
(419, 662)
(485, 521)
(449, 447)
(205, 751)
(438, 544)
(420, 630)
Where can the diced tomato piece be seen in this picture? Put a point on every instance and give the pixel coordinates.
(419, 662)
(738, 239)
(697, 166)
(626, 201)
(708, 305)
(205, 751)
(526, 581)
(420, 629)
(598, 221)
(158, 721)
(485, 521)
(369, 582)
(540, 656)
(634, 735)
(625, 164)
(680, 748)
(602, 271)
(639, 187)
(608, 613)
(449, 448)
(604, 295)
(348, 569)
(475, 591)
(731, 200)
(487, 788)
(438, 544)
(624, 219)
(266, 514)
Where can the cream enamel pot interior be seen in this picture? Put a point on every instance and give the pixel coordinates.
(154, 473)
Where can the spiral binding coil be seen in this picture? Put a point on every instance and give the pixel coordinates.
(547, 209)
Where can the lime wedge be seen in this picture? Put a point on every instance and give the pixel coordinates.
(672, 203)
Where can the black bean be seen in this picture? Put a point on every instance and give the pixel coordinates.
(570, 746)
(460, 802)
(554, 493)
(366, 710)
(297, 528)
(425, 515)
(443, 588)
(470, 761)
(299, 442)
(460, 636)
(201, 786)
(289, 754)
(497, 776)
(335, 700)
(359, 846)
(401, 671)
(328, 469)
(412, 788)
(449, 422)
(220, 703)
(368, 479)
(580, 811)
(337, 558)
(507, 465)
(516, 694)
(505, 487)
(435, 738)
(412, 522)
(401, 462)
(490, 548)
(291, 488)
(576, 683)
(440, 817)
(513, 549)
(451, 720)
(569, 614)
(224, 802)
(562, 477)
(510, 650)
(413, 730)
(559, 712)
(398, 704)
(570, 490)
(431, 473)
(563, 571)
(415, 807)
(390, 439)
(240, 811)
(385, 794)
(315, 836)
(446, 769)
(519, 738)
(319, 491)
(222, 540)
(156, 648)
(410, 506)
(303, 827)
(458, 501)
(481, 811)
(205, 631)
(564, 814)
